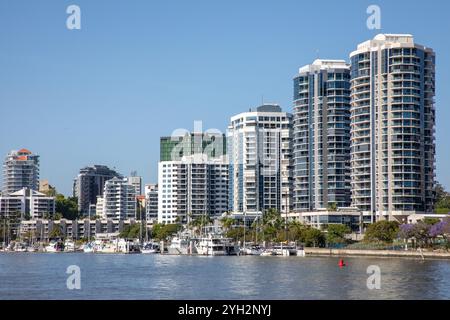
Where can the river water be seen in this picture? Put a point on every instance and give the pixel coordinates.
(110, 276)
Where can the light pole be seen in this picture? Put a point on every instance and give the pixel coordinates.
(286, 206)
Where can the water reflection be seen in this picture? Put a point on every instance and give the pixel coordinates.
(42, 276)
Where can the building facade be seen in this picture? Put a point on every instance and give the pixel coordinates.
(392, 126)
(27, 204)
(136, 182)
(119, 200)
(321, 135)
(181, 144)
(260, 160)
(192, 188)
(90, 183)
(151, 202)
(20, 170)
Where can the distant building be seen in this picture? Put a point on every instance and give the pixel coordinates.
(119, 200)
(76, 229)
(27, 203)
(90, 183)
(151, 202)
(191, 188)
(260, 160)
(136, 182)
(20, 170)
(174, 148)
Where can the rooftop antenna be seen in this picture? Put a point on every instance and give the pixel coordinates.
(262, 99)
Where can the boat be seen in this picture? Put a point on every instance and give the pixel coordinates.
(267, 253)
(54, 247)
(285, 250)
(216, 245)
(180, 245)
(150, 248)
(20, 247)
(69, 246)
(253, 250)
(88, 247)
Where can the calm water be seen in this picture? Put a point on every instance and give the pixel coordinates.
(42, 276)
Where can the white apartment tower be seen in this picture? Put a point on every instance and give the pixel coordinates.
(392, 127)
(192, 187)
(20, 170)
(259, 148)
(119, 200)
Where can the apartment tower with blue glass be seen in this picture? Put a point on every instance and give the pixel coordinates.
(259, 145)
(321, 136)
(392, 127)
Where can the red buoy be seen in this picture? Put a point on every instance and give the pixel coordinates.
(341, 263)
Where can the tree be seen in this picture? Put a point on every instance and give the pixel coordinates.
(163, 231)
(336, 233)
(314, 237)
(442, 204)
(332, 206)
(130, 231)
(67, 207)
(56, 232)
(383, 231)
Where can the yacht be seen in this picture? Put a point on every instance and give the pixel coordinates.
(253, 250)
(88, 247)
(69, 246)
(20, 247)
(213, 245)
(150, 248)
(180, 245)
(285, 250)
(53, 247)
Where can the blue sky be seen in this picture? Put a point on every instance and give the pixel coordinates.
(137, 70)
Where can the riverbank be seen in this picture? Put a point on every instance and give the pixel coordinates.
(376, 253)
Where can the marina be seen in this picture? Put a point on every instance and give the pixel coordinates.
(156, 276)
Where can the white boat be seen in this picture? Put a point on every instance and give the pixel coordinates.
(150, 248)
(20, 247)
(285, 250)
(213, 245)
(88, 247)
(253, 250)
(52, 247)
(31, 249)
(267, 252)
(69, 246)
(181, 246)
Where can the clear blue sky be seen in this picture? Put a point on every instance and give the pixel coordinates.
(137, 70)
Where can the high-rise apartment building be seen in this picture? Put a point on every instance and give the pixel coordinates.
(392, 126)
(259, 146)
(192, 187)
(119, 200)
(90, 183)
(20, 170)
(321, 135)
(179, 145)
(136, 182)
(151, 202)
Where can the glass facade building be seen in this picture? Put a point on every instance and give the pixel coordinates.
(321, 135)
(174, 148)
(392, 126)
